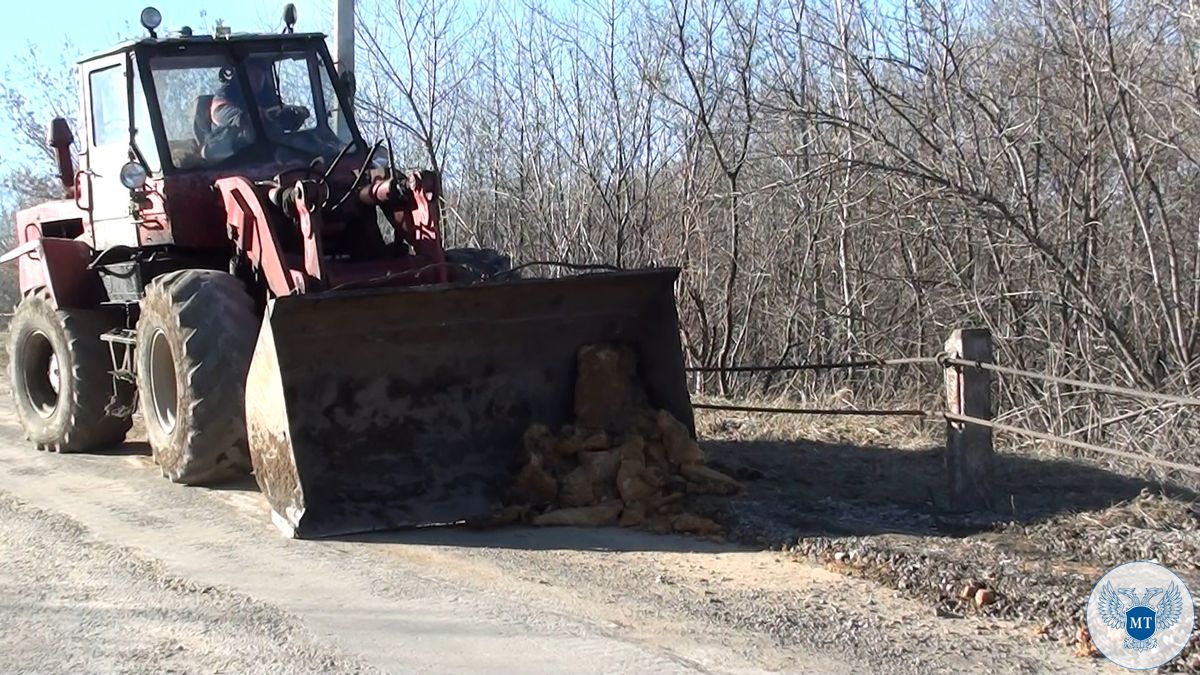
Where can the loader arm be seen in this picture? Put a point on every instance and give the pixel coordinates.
(254, 237)
(409, 203)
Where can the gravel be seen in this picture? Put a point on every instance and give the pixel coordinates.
(72, 604)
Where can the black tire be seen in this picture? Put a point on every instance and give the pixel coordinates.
(195, 339)
(478, 263)
(61, 376)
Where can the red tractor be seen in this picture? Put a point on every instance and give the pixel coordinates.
(276, 294)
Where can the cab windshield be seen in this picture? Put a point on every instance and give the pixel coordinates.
(223, 109)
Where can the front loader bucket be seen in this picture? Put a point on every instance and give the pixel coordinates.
(386, 408)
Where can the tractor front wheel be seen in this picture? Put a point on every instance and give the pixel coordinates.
(195, 339)
(61, 376)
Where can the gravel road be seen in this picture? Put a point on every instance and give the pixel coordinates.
(110, 568)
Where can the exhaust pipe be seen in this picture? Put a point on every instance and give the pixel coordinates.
(60, 140)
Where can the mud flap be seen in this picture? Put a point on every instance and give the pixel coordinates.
(386, 408)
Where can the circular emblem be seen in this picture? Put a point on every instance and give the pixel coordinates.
(1140, 615)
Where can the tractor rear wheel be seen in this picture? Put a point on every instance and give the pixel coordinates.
(195, 339)
(61, 376)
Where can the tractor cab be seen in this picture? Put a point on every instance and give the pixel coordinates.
(181, 111)
(187, 103)
(244, 101)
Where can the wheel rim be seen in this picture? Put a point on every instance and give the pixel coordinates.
(164, 393)
(41, 374)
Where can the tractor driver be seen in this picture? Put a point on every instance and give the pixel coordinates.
(229, 105)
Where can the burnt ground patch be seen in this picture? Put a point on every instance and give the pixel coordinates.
(881, 512)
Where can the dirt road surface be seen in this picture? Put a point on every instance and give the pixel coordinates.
(110, 568)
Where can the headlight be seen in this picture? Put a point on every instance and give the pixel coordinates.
(151, 18)
(133, 175)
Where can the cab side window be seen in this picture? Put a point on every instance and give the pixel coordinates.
(143, 135)
(110, 110)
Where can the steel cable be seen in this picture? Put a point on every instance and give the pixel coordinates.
(1075, 444)
(816, 411)
(865, 363)
(1107, 388)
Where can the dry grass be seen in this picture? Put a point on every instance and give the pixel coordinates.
(1170, 439)
(903, 433)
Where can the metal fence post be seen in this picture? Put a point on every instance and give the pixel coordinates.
(969, 446)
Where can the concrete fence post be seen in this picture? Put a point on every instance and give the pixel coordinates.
(969, 446)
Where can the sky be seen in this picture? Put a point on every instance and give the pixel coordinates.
(93, 25)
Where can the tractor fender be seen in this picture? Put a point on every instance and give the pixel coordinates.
(61, 266)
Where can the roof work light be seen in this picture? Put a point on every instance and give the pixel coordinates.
(151, 19)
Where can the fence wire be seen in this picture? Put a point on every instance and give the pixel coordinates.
(836, 365)
(1072, 443)
(1106, 388)
(817, 411)
(944, 360)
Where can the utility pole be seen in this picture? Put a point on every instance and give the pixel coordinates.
(343, 43)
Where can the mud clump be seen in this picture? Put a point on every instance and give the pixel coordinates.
(608, 396)
(621, 463)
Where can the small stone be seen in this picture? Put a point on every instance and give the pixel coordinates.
(605, 513)
(534, 485)
(633, 449)
(681, 447)
(670, 503)
(595, 442)
(500, 516)
(576, 488)
(710, 481)
(630, 482)
(633, 514)
(984, 596)
(839, 557)
(654, 478)
(690, 523)
(602, 467)
(658, 524)
(656, 456)
(607, 392)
